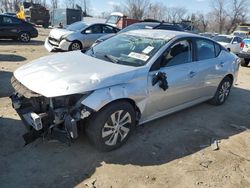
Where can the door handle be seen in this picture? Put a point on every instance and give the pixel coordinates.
(221, 64)
(192, 74)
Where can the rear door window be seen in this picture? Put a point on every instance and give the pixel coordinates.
(10, 21)
(205, 49)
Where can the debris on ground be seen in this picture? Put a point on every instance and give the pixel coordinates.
(215, 145)
(206, 163)
(91, 183)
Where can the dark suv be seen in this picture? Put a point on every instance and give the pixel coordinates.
(14, 28)
(143, 25)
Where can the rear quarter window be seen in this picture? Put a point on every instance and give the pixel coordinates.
(217, 49)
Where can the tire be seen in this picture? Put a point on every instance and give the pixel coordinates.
(24, 37)
(244, 62)
(102, 130)
(75, 46)
(222, 92)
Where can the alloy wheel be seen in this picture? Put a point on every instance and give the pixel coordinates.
(25, 37)
(117, 127)
(224, 91)
(75, 46)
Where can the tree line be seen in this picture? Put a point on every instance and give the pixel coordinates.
(223, 15)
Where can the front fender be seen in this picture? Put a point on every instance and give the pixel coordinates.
(101, 97)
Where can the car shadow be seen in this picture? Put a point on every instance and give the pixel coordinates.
(5, 83)
(11, 58)
(155, 143)
(16, 42)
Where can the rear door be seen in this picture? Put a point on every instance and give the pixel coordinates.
(177, 64)
(210, 66)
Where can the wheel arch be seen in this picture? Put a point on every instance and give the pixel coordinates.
(130, 101)
(230, 76)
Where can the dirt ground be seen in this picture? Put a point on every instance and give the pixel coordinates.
(173, 151)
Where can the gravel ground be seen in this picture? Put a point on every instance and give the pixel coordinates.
(173, 151)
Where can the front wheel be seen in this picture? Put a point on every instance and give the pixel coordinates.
(222, 92)
(75, 46)
(24, 37)
(109, 128)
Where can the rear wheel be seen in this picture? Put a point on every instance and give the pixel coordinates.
(24, 37)
(112, 126)
(75, 46)
(222, 92)
(244, 62)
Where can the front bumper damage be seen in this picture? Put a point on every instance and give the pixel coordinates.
(55, 118)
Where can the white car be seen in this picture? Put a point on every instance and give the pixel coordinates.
(79, 35)
(230, 42)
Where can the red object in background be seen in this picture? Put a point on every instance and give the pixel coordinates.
(242, 45)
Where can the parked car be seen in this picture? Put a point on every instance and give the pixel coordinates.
(130, 79)
(245, 52)
(142, 25)
(14, 28)
(76, 36)
(230, 42)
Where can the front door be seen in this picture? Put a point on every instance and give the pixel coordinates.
(91, 34)
(180, 73)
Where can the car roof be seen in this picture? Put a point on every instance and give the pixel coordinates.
(160, 34)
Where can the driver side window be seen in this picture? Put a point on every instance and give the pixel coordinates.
(179, 53)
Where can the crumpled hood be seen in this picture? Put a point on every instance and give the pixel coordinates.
(58, 33)
(71, 73)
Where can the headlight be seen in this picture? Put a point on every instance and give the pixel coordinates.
(69, 100)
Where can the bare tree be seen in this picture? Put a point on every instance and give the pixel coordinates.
(202, 21)
(219, 11)
(136, 8)
(85, 4)
(237, 14)
(54, 4)
(176, 14)
(70, 3)
(156, 11)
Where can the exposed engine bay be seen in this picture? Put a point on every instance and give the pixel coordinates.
(57, 117)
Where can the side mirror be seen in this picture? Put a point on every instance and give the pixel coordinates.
(88, 31)
(235, 42)
(162, 79)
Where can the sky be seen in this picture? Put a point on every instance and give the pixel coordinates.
(99, 6)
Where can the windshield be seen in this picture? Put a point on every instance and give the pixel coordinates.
(127, 49)
(226, 39)
(77, 26)
(113, 19)
(136, 26)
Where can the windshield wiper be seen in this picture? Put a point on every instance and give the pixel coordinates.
(110, 58)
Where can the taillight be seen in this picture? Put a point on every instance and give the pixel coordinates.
(242, 45)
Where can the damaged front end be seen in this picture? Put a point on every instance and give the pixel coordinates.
(56, 117)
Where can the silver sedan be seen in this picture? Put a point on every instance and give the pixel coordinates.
(79, 35)
(127, 80)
